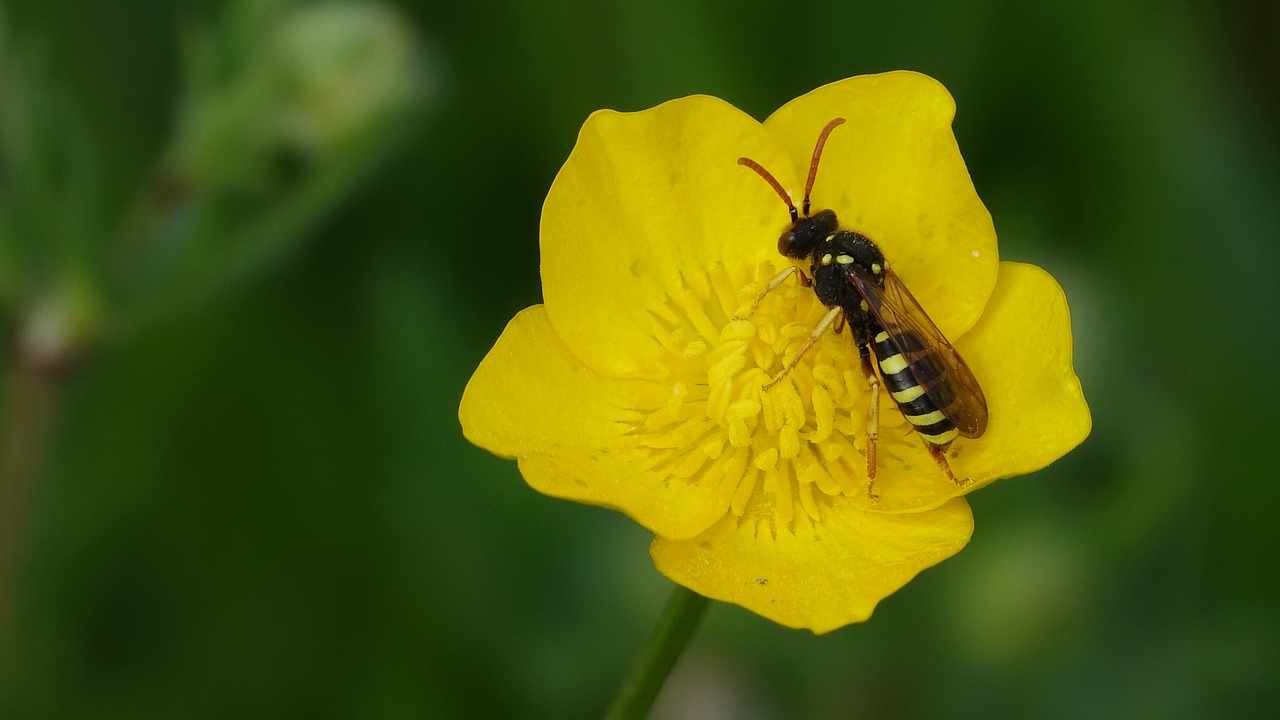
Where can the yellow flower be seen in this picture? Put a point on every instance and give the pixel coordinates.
(634, 386)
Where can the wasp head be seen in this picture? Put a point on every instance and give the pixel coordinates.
(804, 234)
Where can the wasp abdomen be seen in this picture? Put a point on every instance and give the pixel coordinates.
(910, 396)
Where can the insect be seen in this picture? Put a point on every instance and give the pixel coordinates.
(927, 379)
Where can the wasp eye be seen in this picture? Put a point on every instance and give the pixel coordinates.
(786, 242)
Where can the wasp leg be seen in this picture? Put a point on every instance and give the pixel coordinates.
(818, 331)
(773, 285)
(939, 453)
(873, 419)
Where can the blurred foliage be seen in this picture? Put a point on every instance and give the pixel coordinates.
(278, 246)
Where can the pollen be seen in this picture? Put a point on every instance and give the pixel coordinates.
(774, 455)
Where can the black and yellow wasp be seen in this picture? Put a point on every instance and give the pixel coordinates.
(926, 377)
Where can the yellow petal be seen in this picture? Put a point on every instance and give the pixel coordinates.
(646, 205)
(1021, 352)
(820, 577)
(572, 430)
(894, 173)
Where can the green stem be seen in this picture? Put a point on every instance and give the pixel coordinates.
(676, 625)
(29, 402)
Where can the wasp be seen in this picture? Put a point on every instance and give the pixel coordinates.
(927, 379)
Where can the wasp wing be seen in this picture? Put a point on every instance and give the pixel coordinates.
(934, 363)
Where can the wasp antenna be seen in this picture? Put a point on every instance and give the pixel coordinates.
(817, 154)
(773, 183)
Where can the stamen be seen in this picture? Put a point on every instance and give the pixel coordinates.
(773, 457)
(779, 483)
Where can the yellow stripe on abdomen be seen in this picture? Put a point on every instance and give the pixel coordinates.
(941, 438)
(893, 365)
(906, 396)
(923, 420)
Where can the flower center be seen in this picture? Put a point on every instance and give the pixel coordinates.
(773, 455)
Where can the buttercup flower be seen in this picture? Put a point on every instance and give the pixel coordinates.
(638, 386)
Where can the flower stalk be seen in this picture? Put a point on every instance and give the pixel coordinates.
(676, 625)
(30, 401)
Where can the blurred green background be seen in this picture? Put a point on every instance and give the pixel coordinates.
(251, 253)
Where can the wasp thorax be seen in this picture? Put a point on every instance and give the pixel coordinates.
(846, 248)
(804, 235)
